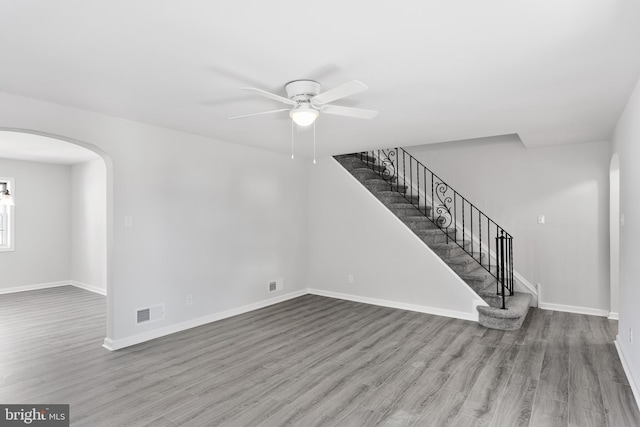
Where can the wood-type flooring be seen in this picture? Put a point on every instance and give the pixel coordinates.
(314, 361)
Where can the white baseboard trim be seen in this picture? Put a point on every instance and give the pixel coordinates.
(400, 305)
(88, 287)
(111, 344)
(625, 365)
(613, 316)
(34, 287)
(573, 309)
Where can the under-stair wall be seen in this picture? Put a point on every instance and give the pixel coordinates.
(352, 234)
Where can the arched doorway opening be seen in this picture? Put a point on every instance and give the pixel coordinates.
(614, 234)
(38, 147)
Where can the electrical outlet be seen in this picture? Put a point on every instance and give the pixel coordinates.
(541, 219)
(189, 299)
(128, 221)
(350, 278)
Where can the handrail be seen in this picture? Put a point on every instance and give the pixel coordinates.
(449, 211)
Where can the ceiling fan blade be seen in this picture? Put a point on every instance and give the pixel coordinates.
(359, 113)
(258, 114)
(341, 91)
(270, 95)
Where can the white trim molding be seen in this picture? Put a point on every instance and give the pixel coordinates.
(473, 316)
(90, 288)
(625, 365)
(573, 309)
(35, 287)
(117, 344)
(613, 316)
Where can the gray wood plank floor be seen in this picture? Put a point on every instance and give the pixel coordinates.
(314, 361)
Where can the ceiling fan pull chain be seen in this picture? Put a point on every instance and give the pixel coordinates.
(291, 139)
(314, 143)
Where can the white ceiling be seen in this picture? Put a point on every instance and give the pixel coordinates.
(551, 71)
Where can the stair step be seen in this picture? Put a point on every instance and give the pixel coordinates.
(353, 163)
(418, 223)
(357, 156)
(388, 197)
(402, 210)
(478, 279)
(434, 236)
(517, 307)
(379, 184)
(448, 250)
(465, 263)
(366, 158)
(408, 206)
(364, 173)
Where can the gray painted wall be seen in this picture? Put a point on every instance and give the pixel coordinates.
(42, 224)
(352, 233)
(569, 184)
(626, 143)
(211, 219)
(89, 225)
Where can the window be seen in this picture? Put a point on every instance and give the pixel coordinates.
(6, 216)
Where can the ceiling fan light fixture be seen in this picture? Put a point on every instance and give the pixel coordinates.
(303, 115)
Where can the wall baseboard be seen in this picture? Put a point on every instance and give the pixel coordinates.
(613, 316)
(627, 371)
(34, 287)
(88, 287)
(53, 285)
(117, 344)
(400, 305)
(573, 309)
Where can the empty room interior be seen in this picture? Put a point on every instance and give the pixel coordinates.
(320, 213)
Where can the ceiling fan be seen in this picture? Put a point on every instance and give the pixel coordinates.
(307, 102)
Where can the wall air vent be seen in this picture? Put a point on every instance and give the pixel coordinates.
(273, 286)
(143, 315)
(149, 314)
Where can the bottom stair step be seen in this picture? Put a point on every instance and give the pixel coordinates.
(508, 319)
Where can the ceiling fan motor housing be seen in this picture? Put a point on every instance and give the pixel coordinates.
(302, 90)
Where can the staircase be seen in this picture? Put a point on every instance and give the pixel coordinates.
(474, 246)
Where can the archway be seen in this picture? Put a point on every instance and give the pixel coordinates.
(108, 214)
(614, 234)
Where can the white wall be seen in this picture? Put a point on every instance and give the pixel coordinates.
(211, 219)
(569, 184)
(89, 225)
(352, 233)
(42, 243)
(626, 143)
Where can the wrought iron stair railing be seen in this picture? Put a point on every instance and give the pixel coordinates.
(461, 221)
